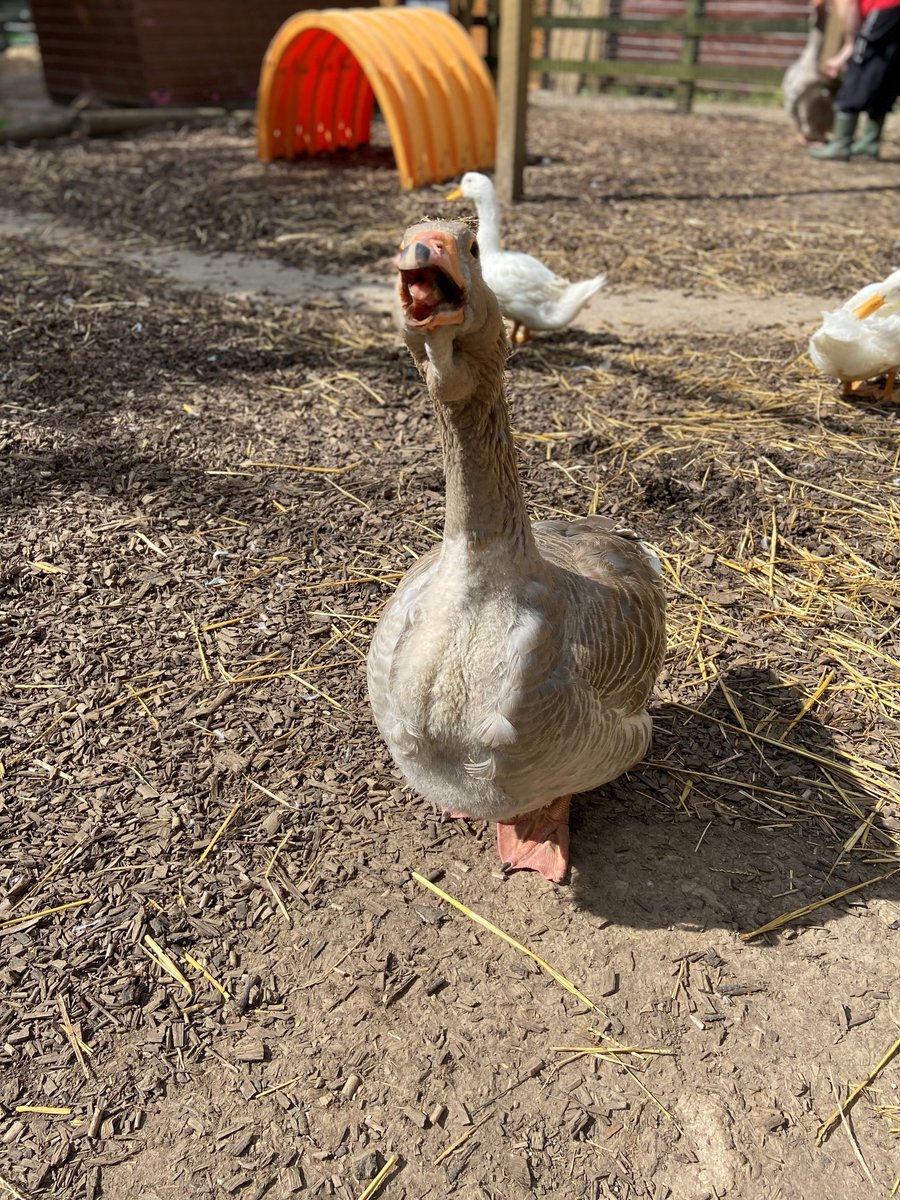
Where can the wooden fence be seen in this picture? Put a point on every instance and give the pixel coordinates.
(672, 44)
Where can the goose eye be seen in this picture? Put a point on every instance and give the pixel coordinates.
(474, 249)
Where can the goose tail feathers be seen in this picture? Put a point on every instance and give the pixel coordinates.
(577, 295)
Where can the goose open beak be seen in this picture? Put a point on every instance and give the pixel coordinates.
(869, 306)
(431, 287)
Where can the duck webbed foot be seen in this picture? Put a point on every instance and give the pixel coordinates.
(882, 389)
(537, 841)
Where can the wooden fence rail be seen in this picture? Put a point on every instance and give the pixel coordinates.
(695, 27)
(681, 71)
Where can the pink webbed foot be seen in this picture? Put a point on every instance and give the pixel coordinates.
(538, 841)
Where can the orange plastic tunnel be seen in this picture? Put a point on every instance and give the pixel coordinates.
(324, 71)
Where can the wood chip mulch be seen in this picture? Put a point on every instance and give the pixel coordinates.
(218, 976)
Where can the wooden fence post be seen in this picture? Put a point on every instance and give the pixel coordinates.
(512, 94)
(690, 52)
(493, 36)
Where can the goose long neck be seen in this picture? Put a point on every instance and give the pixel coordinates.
(809, 56)
(488, 209)
(485, 507)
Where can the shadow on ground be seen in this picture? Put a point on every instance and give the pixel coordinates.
(753, 832)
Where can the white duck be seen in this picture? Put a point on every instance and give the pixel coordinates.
(861, 340)
(808, 93)
(530, 294)
(513, 665)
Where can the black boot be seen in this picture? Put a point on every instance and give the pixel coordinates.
(838, 149)
(867, 144)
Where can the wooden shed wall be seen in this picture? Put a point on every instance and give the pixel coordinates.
(160, 51)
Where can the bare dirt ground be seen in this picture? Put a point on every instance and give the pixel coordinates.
(219, 974)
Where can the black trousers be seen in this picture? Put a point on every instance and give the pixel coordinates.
(872, 80)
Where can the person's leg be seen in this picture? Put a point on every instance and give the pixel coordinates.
(838, 149)
(868, 143)
(876, 80)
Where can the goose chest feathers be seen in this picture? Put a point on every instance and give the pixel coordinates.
(513, 665)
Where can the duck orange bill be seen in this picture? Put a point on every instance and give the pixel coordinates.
(869, 306)
(431, 287)
(456, 194)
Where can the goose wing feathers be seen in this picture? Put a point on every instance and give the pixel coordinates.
(612, 586)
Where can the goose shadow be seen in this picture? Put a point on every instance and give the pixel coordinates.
(725, 828)
(743, 195)
(557, 197)
(570, 339)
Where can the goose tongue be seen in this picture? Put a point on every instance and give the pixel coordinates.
(425, 295)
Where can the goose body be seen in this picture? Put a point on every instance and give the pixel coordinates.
(531, 295)
(861, 340)
(808, 93)
(513, 665)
